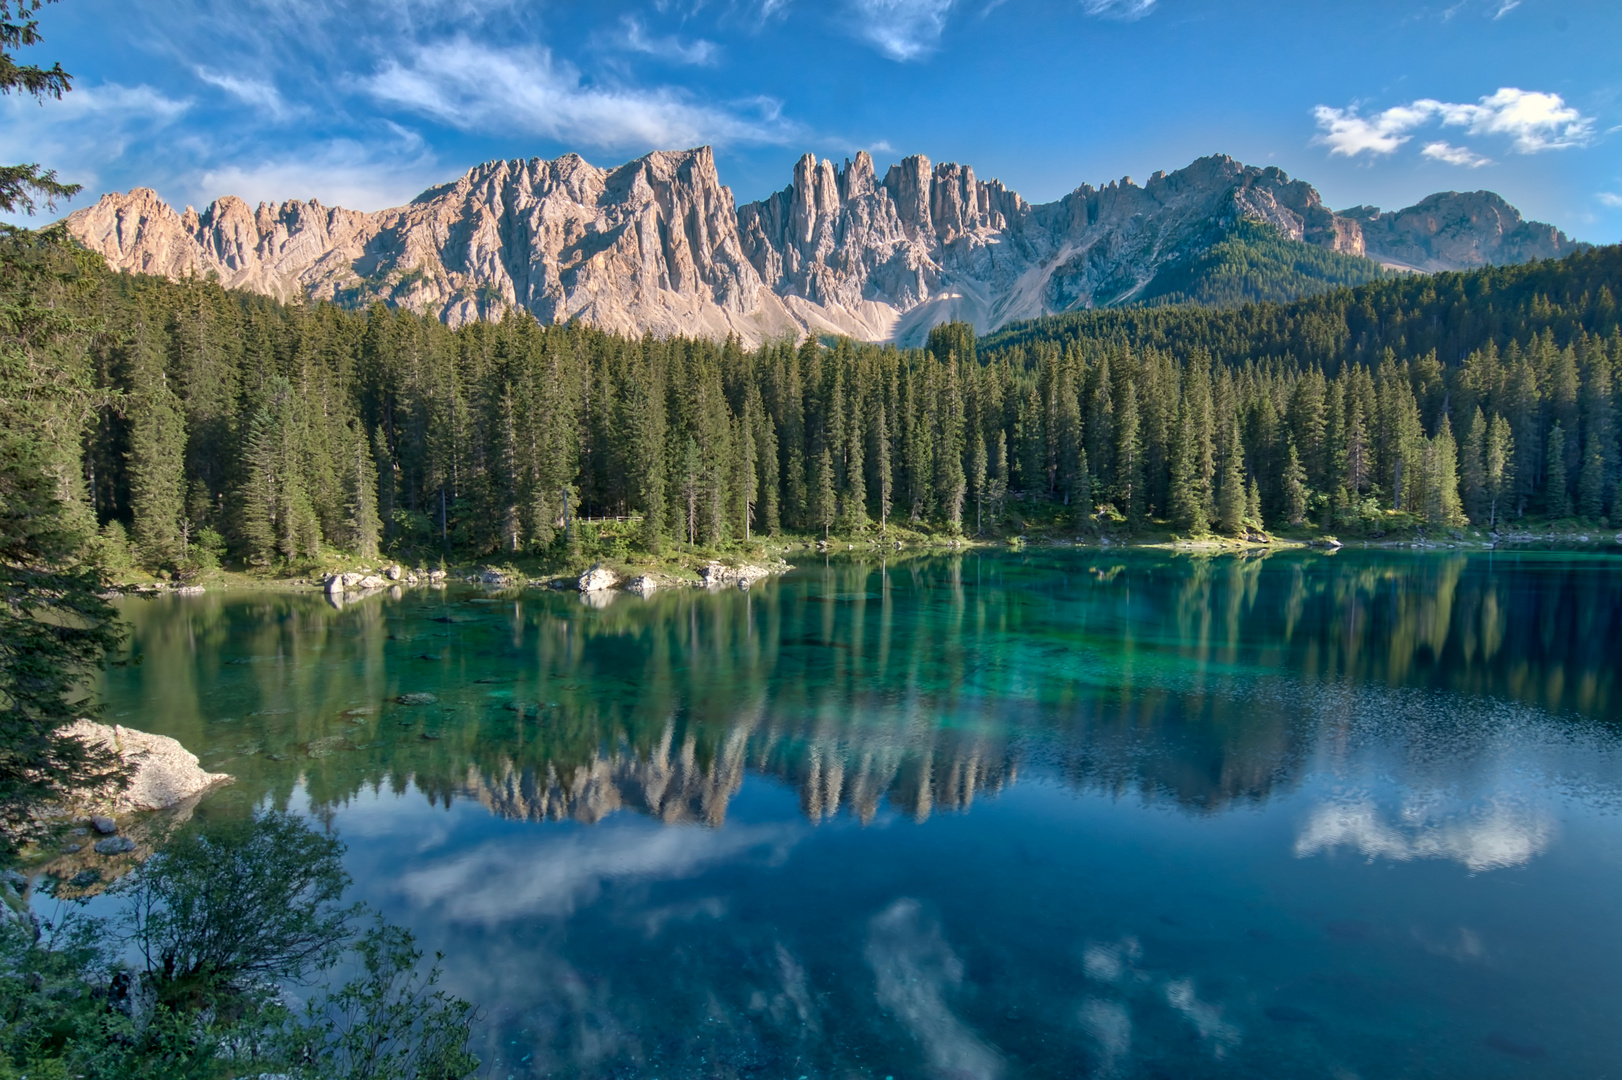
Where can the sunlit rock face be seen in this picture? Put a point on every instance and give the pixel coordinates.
(659, 245)
(1454, 230)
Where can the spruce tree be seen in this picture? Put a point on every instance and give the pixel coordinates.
(365, 526)
(826, 508)
(999, 481)
(1443, 506)
(977, 481)
(1591, 481)
(1296, 493)
(881, 465)
(1185, 497)
(1499, 467)
(1556, 496)
(156, 464)
(855, 472)
(1473, 467)
(1231, 498)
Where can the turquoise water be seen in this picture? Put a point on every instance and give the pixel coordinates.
(1006, 815)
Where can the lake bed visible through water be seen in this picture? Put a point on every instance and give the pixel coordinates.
(1040, 814)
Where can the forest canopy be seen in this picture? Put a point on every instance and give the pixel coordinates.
(239, 425)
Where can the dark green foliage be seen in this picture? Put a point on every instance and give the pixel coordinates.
(220, 916)
(22, 185)
(1254, 262)
(494, 437)
(223, 908)
(389, 1023)
(55, 625)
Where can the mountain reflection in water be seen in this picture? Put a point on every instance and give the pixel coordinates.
(1301, 814)
(923, 684)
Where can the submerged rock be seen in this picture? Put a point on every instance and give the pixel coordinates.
(420, 698)
(165, 773)
(115, 845)
(104, 825)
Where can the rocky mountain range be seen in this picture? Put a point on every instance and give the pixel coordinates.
(659, 244)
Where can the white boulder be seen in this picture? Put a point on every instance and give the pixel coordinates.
(599, 577)
(165, 773)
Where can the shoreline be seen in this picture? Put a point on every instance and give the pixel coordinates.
(687, 570)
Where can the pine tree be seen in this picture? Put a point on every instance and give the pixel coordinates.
(1253, 504)
(1591, 481)
(1185, 495)
(1128, 450)
(748, 481)
(855, 475)
(692, 487)
(881, 465)
(826, 508)
(1296, 493)
(1499, 467)
(977, 481)
(1556, 496)
(1231, 498)
(1473, 467)
(999, 481)
(365, 528)
(156, 464)
(1443, 507)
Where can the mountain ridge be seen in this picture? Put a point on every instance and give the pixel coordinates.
(659, 245)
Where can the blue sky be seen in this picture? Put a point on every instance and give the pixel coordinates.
(364, 103)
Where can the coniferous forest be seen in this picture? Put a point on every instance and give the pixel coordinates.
(210, 424)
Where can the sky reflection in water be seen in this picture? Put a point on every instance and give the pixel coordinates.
(1004, 815)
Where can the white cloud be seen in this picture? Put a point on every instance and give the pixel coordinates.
(1345, 132)
(1486, 836)
(496, 883)
(902, 29)
(1610, 198)
(1449, 154)
(915, 969)
(1534, 121)
(1118, 9)
(475, 87)
(341, 172)
(86, 132)
(1505, 8)
(255, 92)
(699, 53)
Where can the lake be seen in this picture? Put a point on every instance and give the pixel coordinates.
(1040, 814)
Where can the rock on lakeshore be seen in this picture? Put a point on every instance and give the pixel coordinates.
(597, 578)
(717, 574)
(166, 773)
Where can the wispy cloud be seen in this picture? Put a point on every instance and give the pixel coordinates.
(635, 37)
(339, 172)
(915, 969)
(256, 92)
(89, 131)
(1449, 154)
(499, 883)
(901, 29)
(476, 87)
(1505, 8)
(1611, 199)
(1118, 9)
(1534, 122)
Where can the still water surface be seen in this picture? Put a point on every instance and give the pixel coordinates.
(1014, 815)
